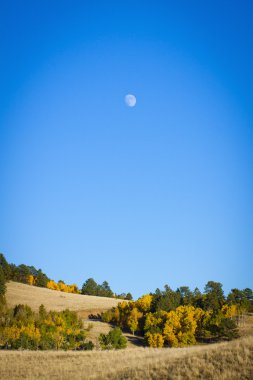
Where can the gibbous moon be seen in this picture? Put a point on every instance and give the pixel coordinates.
(130, 100)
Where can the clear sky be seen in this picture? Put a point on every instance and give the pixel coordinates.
(139, 196)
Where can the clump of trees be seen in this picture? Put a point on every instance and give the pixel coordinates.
(21, 327)
(32, 276)
(23, 273)
(180, 318)
(113, 340)
(92, 288)
(61, 286)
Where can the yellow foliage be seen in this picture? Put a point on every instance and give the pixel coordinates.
(229, 311)
(116, 316)
(62, 287)
(169, 335)
(133, 319)
(155, 340)
(153, 320)
(181, 325)
(31, 279)
(9, 334)
(144, 303)
(32, 331)
(72, 288)
(52, 285)
(123, 306)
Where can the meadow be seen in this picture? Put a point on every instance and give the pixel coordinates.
(18, 293)
(221, 361)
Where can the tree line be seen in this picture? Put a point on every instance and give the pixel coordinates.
(182, 317)
(167, 317)
(23, 328)
(32, 276)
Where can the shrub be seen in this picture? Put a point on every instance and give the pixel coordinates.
(113, 340)
(86, 346)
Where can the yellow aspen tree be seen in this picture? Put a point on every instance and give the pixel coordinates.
(52, 285)
(229, 311)
(30, 279)
(154, 340)
(144, 303)
(133, 319)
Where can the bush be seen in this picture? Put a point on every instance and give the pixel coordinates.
(113, 340)
(86, 346)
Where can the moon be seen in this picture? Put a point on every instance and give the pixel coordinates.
(130, 100)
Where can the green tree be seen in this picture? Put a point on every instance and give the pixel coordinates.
(42, 279)
(2, 285)
(23, 315)
(166, 300)
(90, 287)
(214, 296)
(197, 298)
(104, 290)
(186, 296)
(23, 273)
(242, 298)
(5, 267)
(42, 312)
(113, 340)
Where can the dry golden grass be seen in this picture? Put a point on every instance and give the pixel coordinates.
(222, 361)
(98, 327)
(33, 296)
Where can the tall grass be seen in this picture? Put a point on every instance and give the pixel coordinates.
(221, 361)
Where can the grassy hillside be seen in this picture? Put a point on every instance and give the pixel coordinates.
(223, 361)
(33, 296)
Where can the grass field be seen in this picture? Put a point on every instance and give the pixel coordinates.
(221, 361)
(33, 296)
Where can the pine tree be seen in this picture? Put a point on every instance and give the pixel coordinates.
(2, 284)
(5, 267)
(90, 287)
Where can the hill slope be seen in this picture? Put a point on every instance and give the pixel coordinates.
(33, 296)
(223, 361)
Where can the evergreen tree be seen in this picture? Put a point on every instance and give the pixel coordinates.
(214, 298)
(42, 279)
(90, 287)
(104, 290)
(166, 300)
(186, 296)
(5, 267)
(2, 285)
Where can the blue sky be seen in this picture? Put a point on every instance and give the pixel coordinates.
(143, 196)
